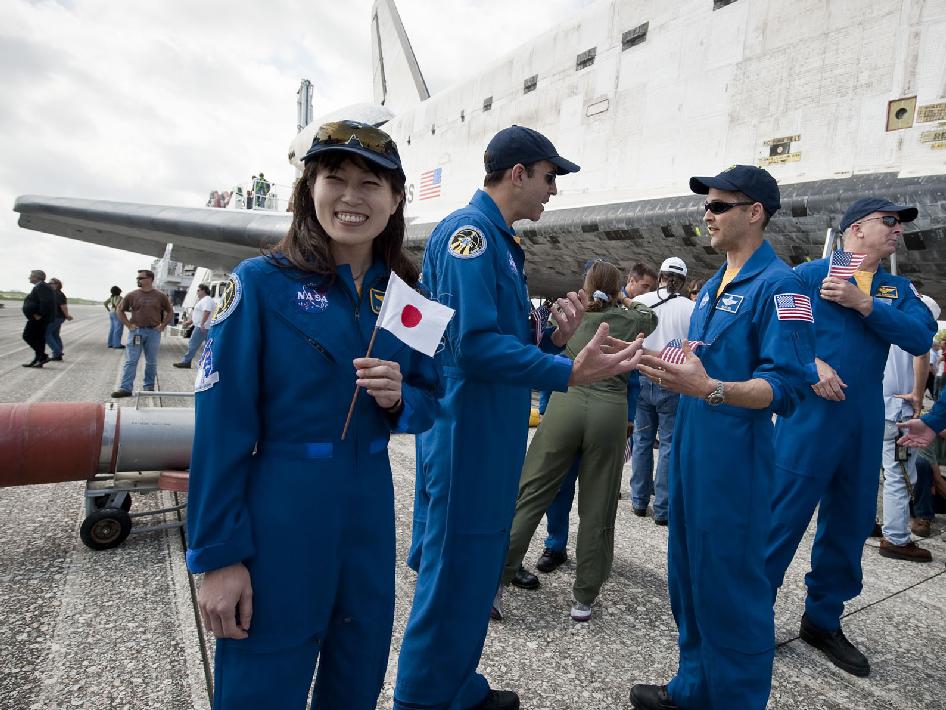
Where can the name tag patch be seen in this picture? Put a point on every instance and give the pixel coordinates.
(376, 298)
(730, 303)
(887, 292)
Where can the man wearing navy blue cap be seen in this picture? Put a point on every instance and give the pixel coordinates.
(749, 355)
(829, 451)
(468, 464)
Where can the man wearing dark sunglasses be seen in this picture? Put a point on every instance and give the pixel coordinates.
(828, 452)
(751, 356)
(469, 463)
(151, 312)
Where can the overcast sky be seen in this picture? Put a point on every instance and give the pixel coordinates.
(162, 102)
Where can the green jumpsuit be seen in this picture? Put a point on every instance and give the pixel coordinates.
(590, 420)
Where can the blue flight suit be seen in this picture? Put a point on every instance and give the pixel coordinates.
(720, 488)
(273, 486)
(468, 464)
(831, 451)
(935, 419)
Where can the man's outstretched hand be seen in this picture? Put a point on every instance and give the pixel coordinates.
(605, 356)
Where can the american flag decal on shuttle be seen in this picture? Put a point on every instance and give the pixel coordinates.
(430, 182)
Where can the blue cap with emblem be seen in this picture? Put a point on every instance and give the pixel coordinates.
(518, 144)
(751, 181)
(361, 139)
(867, 205)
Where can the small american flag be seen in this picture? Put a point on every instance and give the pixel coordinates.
(627, 451)
(793, 306)
(430, 184)
(843, 264)
(673, 351)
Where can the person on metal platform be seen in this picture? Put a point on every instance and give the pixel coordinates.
(828, 452)
(39, 307)
(291, 526)
(468, 464)
(151, 312)
(750, 354)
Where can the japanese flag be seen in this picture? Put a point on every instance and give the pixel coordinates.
(412, 318)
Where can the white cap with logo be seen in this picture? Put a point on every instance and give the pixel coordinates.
(674, 265)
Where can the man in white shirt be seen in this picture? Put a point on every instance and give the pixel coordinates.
(200, 317)
(904, 382)
(656, 406)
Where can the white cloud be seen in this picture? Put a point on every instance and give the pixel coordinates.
(163, 102)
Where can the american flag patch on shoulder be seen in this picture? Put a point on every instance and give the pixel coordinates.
(793, 306)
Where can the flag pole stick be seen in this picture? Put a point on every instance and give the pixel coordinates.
(351, 408)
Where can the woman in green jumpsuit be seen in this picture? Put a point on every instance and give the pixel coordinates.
(590, 420)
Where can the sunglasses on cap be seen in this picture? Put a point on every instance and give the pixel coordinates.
(720, 207)
(889, 220)
(368, 137)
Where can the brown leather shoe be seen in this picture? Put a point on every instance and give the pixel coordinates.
(920, 527)
(909, 552)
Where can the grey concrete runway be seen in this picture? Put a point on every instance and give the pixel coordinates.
(117, 629)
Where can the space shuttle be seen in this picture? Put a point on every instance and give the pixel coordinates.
(836, 99)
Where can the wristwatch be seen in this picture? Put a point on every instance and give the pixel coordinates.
(717, 396)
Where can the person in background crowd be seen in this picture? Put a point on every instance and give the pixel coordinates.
(903, 384)
(53, 338)
(641, 279)
(856, 319)
(291, 526)
(151, 312)
(693, 290)
(115, 327)
(39, 307)
(739, 374)
(930, 490)
(586, 420)
(657, 407)
(200, 320)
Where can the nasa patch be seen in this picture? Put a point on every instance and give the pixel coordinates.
(229, 300)
(310, 300)
(512, 266)
(376, 298)
(704, 300)
(913, 288)
(730, 303)
(467, 243)
(206, 377)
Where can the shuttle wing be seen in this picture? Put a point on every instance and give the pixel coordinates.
(215, 238)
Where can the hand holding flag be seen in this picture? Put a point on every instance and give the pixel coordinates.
(686, 376)
(412, 319)
(843, 264)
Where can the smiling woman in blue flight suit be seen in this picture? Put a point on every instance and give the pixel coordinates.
(292, 527)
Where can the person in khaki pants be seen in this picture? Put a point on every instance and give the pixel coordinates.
(587, 419)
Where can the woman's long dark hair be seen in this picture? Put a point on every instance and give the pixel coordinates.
(602, 276)
(308, 247)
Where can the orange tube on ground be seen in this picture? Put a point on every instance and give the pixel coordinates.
(49, 442)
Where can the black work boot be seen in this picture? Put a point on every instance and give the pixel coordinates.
(524, 579)
(499, 700)
(551, 560)
(652, 697)
(836, 647)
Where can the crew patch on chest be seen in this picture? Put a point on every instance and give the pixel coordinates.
(206, 377)
(729, 302)
(376, 298)
(310, 299)
(229, 299)
(887, 292)
(467, 243)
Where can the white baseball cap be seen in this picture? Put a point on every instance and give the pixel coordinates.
(674, 265)
(932, 305)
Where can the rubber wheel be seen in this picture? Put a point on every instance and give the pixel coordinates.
(106, 528)
(101, 502)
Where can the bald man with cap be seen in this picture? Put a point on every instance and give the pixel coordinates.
(468, 464)
(829, 451)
